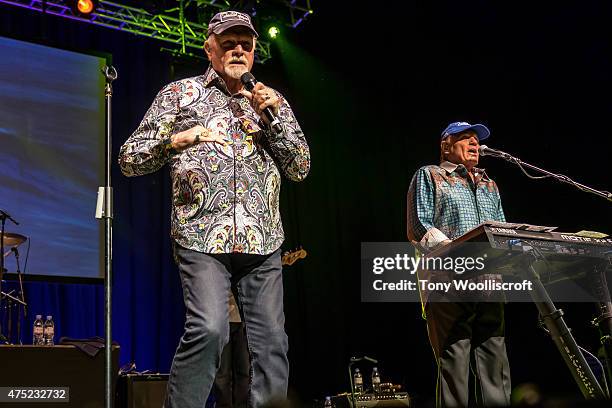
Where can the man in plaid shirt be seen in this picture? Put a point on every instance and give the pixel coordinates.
(444, 202)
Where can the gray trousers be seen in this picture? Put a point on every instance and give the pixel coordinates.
(465, 335)
(207, 280)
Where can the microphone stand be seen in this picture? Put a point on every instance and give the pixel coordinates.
(3, 216)
(350, 372)
(104, 210)
(560, 177)
(3, 339)
(22, 296)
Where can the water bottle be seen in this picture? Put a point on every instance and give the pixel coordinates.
(328, 403)
(49, 331)
(375, 380)
(38, 339)
(358, 381)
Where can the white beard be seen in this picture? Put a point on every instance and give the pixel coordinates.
(235, 71)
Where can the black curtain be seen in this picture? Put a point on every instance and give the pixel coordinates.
(372, 89)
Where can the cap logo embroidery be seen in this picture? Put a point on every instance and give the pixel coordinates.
(233, 15)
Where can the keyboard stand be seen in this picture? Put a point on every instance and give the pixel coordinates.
(558, 330)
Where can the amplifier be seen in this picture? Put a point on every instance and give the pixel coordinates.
(141, 390)
(56, 366)
(394, 400)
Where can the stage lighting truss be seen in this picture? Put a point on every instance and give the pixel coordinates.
(298, 11)
(170, 26)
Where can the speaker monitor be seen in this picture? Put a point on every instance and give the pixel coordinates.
(141, 391)
(56, 366)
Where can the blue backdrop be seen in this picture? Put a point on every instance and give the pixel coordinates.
(147, 308)
(52, 133)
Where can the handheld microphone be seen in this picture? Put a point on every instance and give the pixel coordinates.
(484, 150)
(249, 81)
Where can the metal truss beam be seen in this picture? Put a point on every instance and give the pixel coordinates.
(185, 35)
(298, 11)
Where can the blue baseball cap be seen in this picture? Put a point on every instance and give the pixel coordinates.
(457, 127)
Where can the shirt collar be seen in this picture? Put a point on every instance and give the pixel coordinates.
(211, 78)
(450, 167)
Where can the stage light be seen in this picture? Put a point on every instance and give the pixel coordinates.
(273, 32)
(84, 8)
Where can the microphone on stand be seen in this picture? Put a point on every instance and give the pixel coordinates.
(370, 359)
(485, 150)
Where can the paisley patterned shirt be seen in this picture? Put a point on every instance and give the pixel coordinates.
(224, 198)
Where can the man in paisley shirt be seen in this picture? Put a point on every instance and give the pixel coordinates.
(226, 165)
(444, 202)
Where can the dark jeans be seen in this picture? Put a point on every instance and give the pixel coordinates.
(231, 387)
(465, 335)
(206, 281)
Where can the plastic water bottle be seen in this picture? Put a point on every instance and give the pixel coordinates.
(375, 380)
(38, 338)
(358, 381)
(49, 331)
(328, 403)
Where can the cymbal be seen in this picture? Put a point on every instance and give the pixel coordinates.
(11, 239)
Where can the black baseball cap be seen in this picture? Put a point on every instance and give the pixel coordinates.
(228, 19)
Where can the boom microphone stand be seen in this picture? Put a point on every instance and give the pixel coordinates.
(487, 151)
(104, 209)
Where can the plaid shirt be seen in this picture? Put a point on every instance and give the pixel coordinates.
(224, 198)
(444, 203)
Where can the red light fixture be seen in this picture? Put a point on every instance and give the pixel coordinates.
(85, 6)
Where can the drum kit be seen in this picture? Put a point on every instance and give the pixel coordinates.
(11, 302)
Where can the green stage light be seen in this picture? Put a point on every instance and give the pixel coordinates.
(273, 32)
